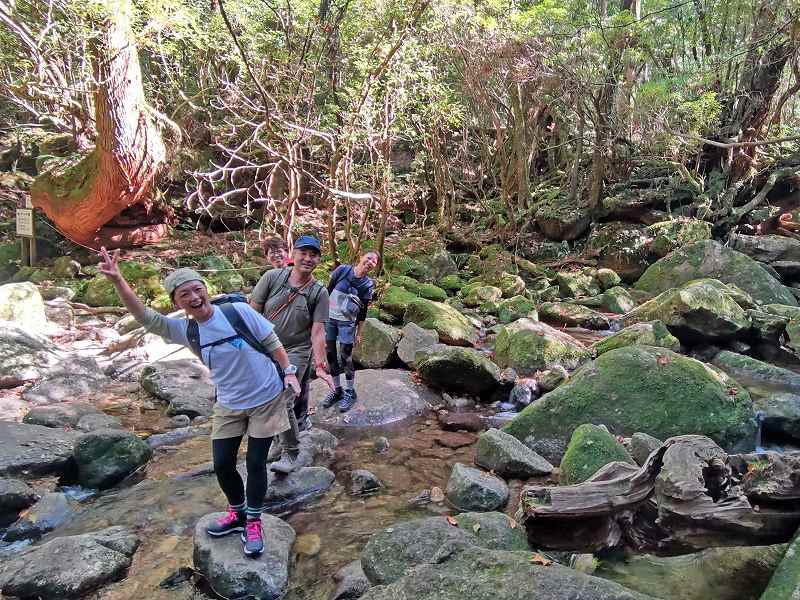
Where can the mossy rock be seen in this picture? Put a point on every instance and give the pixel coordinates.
(621, 247)
(669, 235)
(515, 308)
(529, 346)
(409, 283)
(697, 311)
(618, 300)
(578, 284)
(511, 285)
(572, 315)
(653, 333)
(480, 294)
(560, 218)
(222, 274)
(643, 389)
(710, 259)
(458, 370)
(607, 278)
(9, 255)
(410, 267)
(590, 448)
(144, 279)
(453, 327)
(32, 274)
(432, 292)
(451, 283)
(395, 300)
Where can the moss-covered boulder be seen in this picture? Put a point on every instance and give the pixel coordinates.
(451, 283)
(572, 315)
(653, 333)
(106, 456)
(478, 295)
(695, 312)
(766, 327)
(222, 274)
(143, 278)
(578, 284)
(710, 259)
(409, 283)
(561, 218)
(516, 307)
(66, 267)
(432, 292)
(378, 344)
(647, 389)
(617, 300)
(472, 489)
(529, 346)
(669, 235)
(621, 247)
(453, 327)
(410, 267)
(590, 448)
(508, 457)
(511, 285)
(9, 257)
(458, 370)
(757, 375)
(395, 300)
(607, 278)
(438, 264)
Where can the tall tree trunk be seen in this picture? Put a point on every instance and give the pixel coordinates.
(119, 172)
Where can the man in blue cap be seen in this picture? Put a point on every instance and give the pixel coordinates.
(297, 304)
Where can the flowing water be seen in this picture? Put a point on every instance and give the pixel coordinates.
(332, 531)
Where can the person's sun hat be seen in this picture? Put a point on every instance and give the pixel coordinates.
(178, 277)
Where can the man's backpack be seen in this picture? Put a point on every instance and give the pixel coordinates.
(225, 304)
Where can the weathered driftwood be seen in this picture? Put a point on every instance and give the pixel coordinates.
(685, 497)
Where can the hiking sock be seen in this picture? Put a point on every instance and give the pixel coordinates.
(253, 514)
(349, 383)
(337, 381)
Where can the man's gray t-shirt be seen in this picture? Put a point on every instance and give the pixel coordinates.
(244, 377)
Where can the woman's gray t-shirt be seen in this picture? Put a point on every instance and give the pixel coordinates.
(244, 377)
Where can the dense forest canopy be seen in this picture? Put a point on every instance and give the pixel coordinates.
(520, 114)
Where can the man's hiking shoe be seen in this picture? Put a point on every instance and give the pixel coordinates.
(332, 398)
(231, 521)
(305, 424)
(348, 400)
(252, 541)
(285, 464)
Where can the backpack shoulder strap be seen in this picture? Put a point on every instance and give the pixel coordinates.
(241, 328)
(193, 335)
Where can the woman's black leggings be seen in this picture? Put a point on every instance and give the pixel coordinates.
(341, 364)
(225, 452)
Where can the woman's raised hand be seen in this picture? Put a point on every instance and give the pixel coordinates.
(108, 266)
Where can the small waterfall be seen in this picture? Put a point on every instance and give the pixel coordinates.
(760, 423)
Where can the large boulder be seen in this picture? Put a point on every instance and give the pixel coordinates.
(669, 235)
(472, 489)
(529, 346)
(107, 456)
(384, 396)
(301, 485)
(757, 375)
(578, 284)
(394, 551)
(516, 307)
(482, 294)
(378, 343)
(710, 259)
(481, 574)
(621, 247)
(396, 299)
(733, 573)
(695, 312)
(785, 581)
(617, 300)
(66, 380)
(647, 389)
(63, 415)
(143, 278)
(414, 338)
(438, 264)
(232, 574)
(568, 314)
(458, 370)
(22, 304)
(561, 218)
(24, 356)
(653, 333)
(70, 567)
(184, 383)
(453, 327)
(35, 450)
(781, 414)
(590, 448)
(508, 457)
(767, 248)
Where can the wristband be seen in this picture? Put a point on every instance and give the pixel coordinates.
(290, 370)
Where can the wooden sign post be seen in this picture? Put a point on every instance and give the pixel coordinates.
(27, 234)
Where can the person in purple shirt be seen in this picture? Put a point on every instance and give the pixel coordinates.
(350, 291)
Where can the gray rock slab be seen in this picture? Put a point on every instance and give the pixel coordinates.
(473, 489)
(70, 567)
(51, 511)
(234, 575)
(67, 380)
(384, 396)
(508, 457)
(184, 383)
(642, 445)
(414, 339)
(297, 487)
(35, 450)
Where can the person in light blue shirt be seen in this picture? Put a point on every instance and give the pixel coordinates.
(249, 389)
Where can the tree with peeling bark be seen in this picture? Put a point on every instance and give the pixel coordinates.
(81, 196)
